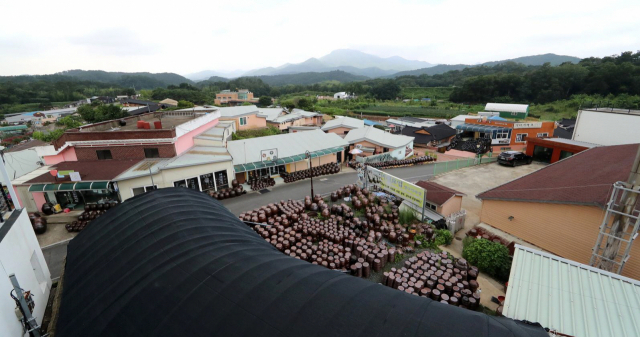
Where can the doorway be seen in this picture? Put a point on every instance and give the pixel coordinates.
(339, 156)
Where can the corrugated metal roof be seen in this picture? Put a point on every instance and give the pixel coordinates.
(570, 297)
(503, 107)
(237, 111)
(572, 142)
(344, 122)
(288, 145)
(377, 136)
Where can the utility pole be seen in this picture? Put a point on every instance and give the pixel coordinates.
(307, 154)
(29, 320)
(624, 224)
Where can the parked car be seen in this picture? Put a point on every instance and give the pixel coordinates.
(513, 158)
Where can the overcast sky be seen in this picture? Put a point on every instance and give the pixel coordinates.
(42, 37)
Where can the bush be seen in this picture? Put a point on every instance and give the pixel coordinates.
(406, 217)
(490, 257)
(443, 237)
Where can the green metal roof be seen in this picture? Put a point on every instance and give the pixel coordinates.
(80, 186)
(282, 161)
(480, 128)
(36, 188)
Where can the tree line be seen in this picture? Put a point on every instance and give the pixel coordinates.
(613, 75)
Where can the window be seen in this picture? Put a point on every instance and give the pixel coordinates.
(502, 134)
(432, 206)
(104, 154)
(207, 182)
(222, 180)
(144, 189)
(520, 137)
(543, 134)
(151, 153)
(180, 183)
(191, 183)
(243, 120)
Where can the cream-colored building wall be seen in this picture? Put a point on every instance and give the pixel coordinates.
(166, 177)
(451, 206)
(569, 231)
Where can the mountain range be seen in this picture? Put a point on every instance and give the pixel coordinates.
(533, 60)
(362, 64)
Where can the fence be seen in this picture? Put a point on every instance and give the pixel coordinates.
(452, 165)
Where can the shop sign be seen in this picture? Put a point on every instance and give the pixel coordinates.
(500, 141)
(529, 125)
(268, 155)
(396, 186)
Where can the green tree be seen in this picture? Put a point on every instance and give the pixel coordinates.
(48, 137)
(69, 122)
(265, 101)
(386, 90)
(490, 257)
(101, 113)
(185, 104)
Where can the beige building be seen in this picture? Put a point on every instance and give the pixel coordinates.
(560, 207)
(285, 120)
(233, 98)
(342, 125)
(442, 199)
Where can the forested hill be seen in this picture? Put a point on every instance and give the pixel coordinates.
(142, 80)
(534, 60)
(311, 78)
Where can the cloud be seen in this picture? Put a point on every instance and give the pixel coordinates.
(192, 35)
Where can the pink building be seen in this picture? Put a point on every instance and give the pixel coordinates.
(118, 159)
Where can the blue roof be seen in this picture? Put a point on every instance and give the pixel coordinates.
(371, 123)
(496, 118)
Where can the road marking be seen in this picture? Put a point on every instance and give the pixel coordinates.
(324, 179)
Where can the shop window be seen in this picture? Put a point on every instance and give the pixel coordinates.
(143, 189)
(521, 137)
(243, 120)
(207, 182)
(565, 154)
(151, 152)
(192, 183)
(221, 179)
(104, 154)
(180, 183)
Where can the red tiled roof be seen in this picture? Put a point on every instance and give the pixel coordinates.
(584, 178)
(26, 145)
(436, 193)
(89, 170)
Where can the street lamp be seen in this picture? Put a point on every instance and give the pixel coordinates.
(307, 155)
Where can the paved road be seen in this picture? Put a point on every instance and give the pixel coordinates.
(321, 185)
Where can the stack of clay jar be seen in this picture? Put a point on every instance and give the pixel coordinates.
(438, 277)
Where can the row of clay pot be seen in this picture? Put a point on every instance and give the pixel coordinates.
(228, 193)
(330, 168)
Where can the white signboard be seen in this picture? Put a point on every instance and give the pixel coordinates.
(410, 192)
(269, 155)
(528, 125)
(75, 176)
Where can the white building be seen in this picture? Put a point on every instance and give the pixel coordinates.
(20, 254)
(341, 95)
(371, 140)
(606, 126)
(459, 120)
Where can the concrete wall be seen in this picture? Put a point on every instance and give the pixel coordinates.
(26, 198)
(451, 206)
(20, 163)
(606, 128)
(18, 249)
(569, 231)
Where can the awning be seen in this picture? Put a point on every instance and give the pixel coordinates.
(481, 128)
(282, 161)
(79, 186)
